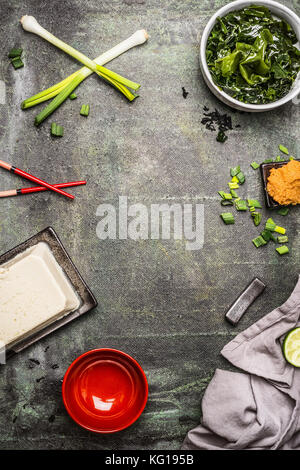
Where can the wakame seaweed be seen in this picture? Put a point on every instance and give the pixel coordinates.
(251, 55)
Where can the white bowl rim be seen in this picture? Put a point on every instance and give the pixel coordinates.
(238, 4)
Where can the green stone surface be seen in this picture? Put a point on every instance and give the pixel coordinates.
(157, 301)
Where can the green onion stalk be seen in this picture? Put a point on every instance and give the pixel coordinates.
(63, 89)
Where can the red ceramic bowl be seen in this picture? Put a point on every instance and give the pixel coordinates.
(105, 390)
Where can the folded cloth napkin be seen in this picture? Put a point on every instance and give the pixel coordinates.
(258, 409)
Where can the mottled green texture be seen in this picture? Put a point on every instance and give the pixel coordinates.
(157, 301)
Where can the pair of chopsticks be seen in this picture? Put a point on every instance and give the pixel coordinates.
(44, 186)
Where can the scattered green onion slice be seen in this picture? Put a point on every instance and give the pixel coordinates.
(259, 241)
(292, 158)
(57, 130)
(256, 218)
(233, 193)
(270, 225)
(17, 62)
(235, 170)
(279, 159)
(226, 202)
(241, 205)
(15, 52)
(267, 235)
(254, 165)
(280, 230)
(228, 218)
(282, 239)
(85, 110)
(283, 211)
(241, 177)
(268, 160)
(283, 149)
(254, 203)
(233, 185)
(73, 96)
(282, 250)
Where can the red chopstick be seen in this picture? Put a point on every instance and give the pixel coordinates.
(28, 176)
(35, 189)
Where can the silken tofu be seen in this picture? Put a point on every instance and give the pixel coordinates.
(34, 291)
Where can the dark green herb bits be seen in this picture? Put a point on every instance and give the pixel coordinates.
(252, 56)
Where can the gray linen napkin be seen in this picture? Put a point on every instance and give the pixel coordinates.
(258, 409)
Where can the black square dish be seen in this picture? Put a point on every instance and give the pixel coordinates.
(87, 299)
(265, 169)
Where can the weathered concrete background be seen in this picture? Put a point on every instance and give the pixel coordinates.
(157, 301)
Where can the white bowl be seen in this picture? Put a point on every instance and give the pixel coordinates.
(278, 10)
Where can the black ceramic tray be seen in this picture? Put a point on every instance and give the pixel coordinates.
(88, 301)
(265, 169)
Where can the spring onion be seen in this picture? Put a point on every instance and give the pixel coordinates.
(256, 218)
(227, 218)
(85, 110)
(252, 209)
(73, 96)
(282, 250)
(283, 211)
(233, 193)
(254, 165)
(254, 203)
(15, 52)
(17, 62)
(259, 241)
(282, 239)
(235, 170)
(234, 180)
(226, 202)
(241, 205)
(279, 159)
(292, 158)
(270, 225)
(233, 185)
(268, 160)
(30, 24)
(283, 149)
(241, 177)
(280, 230)
(57, 130)
(267, 235)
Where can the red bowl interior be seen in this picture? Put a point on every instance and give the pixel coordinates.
(105, 390)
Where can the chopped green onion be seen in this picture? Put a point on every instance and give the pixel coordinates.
(256, 218)
(15, 52)
(268, 160)
(227, 218)
(282, 250)
(254, 203)
(241, 205)
(233, 193)
(283, 211)
(292, 158)
(252, 209)
(235, 170)
(270, 225)
(280, 230)
(254, 165)
(282, 239)
(73, 96)
(234, 180)
(226, 202)
(17, 62)
(283, 149)
(241, 177)
(259, 241)
(279, 159)
(233, 185)
(267, 235)
(85, 110)
(57, 130)
(221, 193)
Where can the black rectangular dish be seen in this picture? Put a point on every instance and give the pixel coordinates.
(87, 299)
(265, 169)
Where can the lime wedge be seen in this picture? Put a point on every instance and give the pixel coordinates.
(291, 347)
